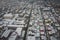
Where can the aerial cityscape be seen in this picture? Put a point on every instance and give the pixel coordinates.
(29, 20)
